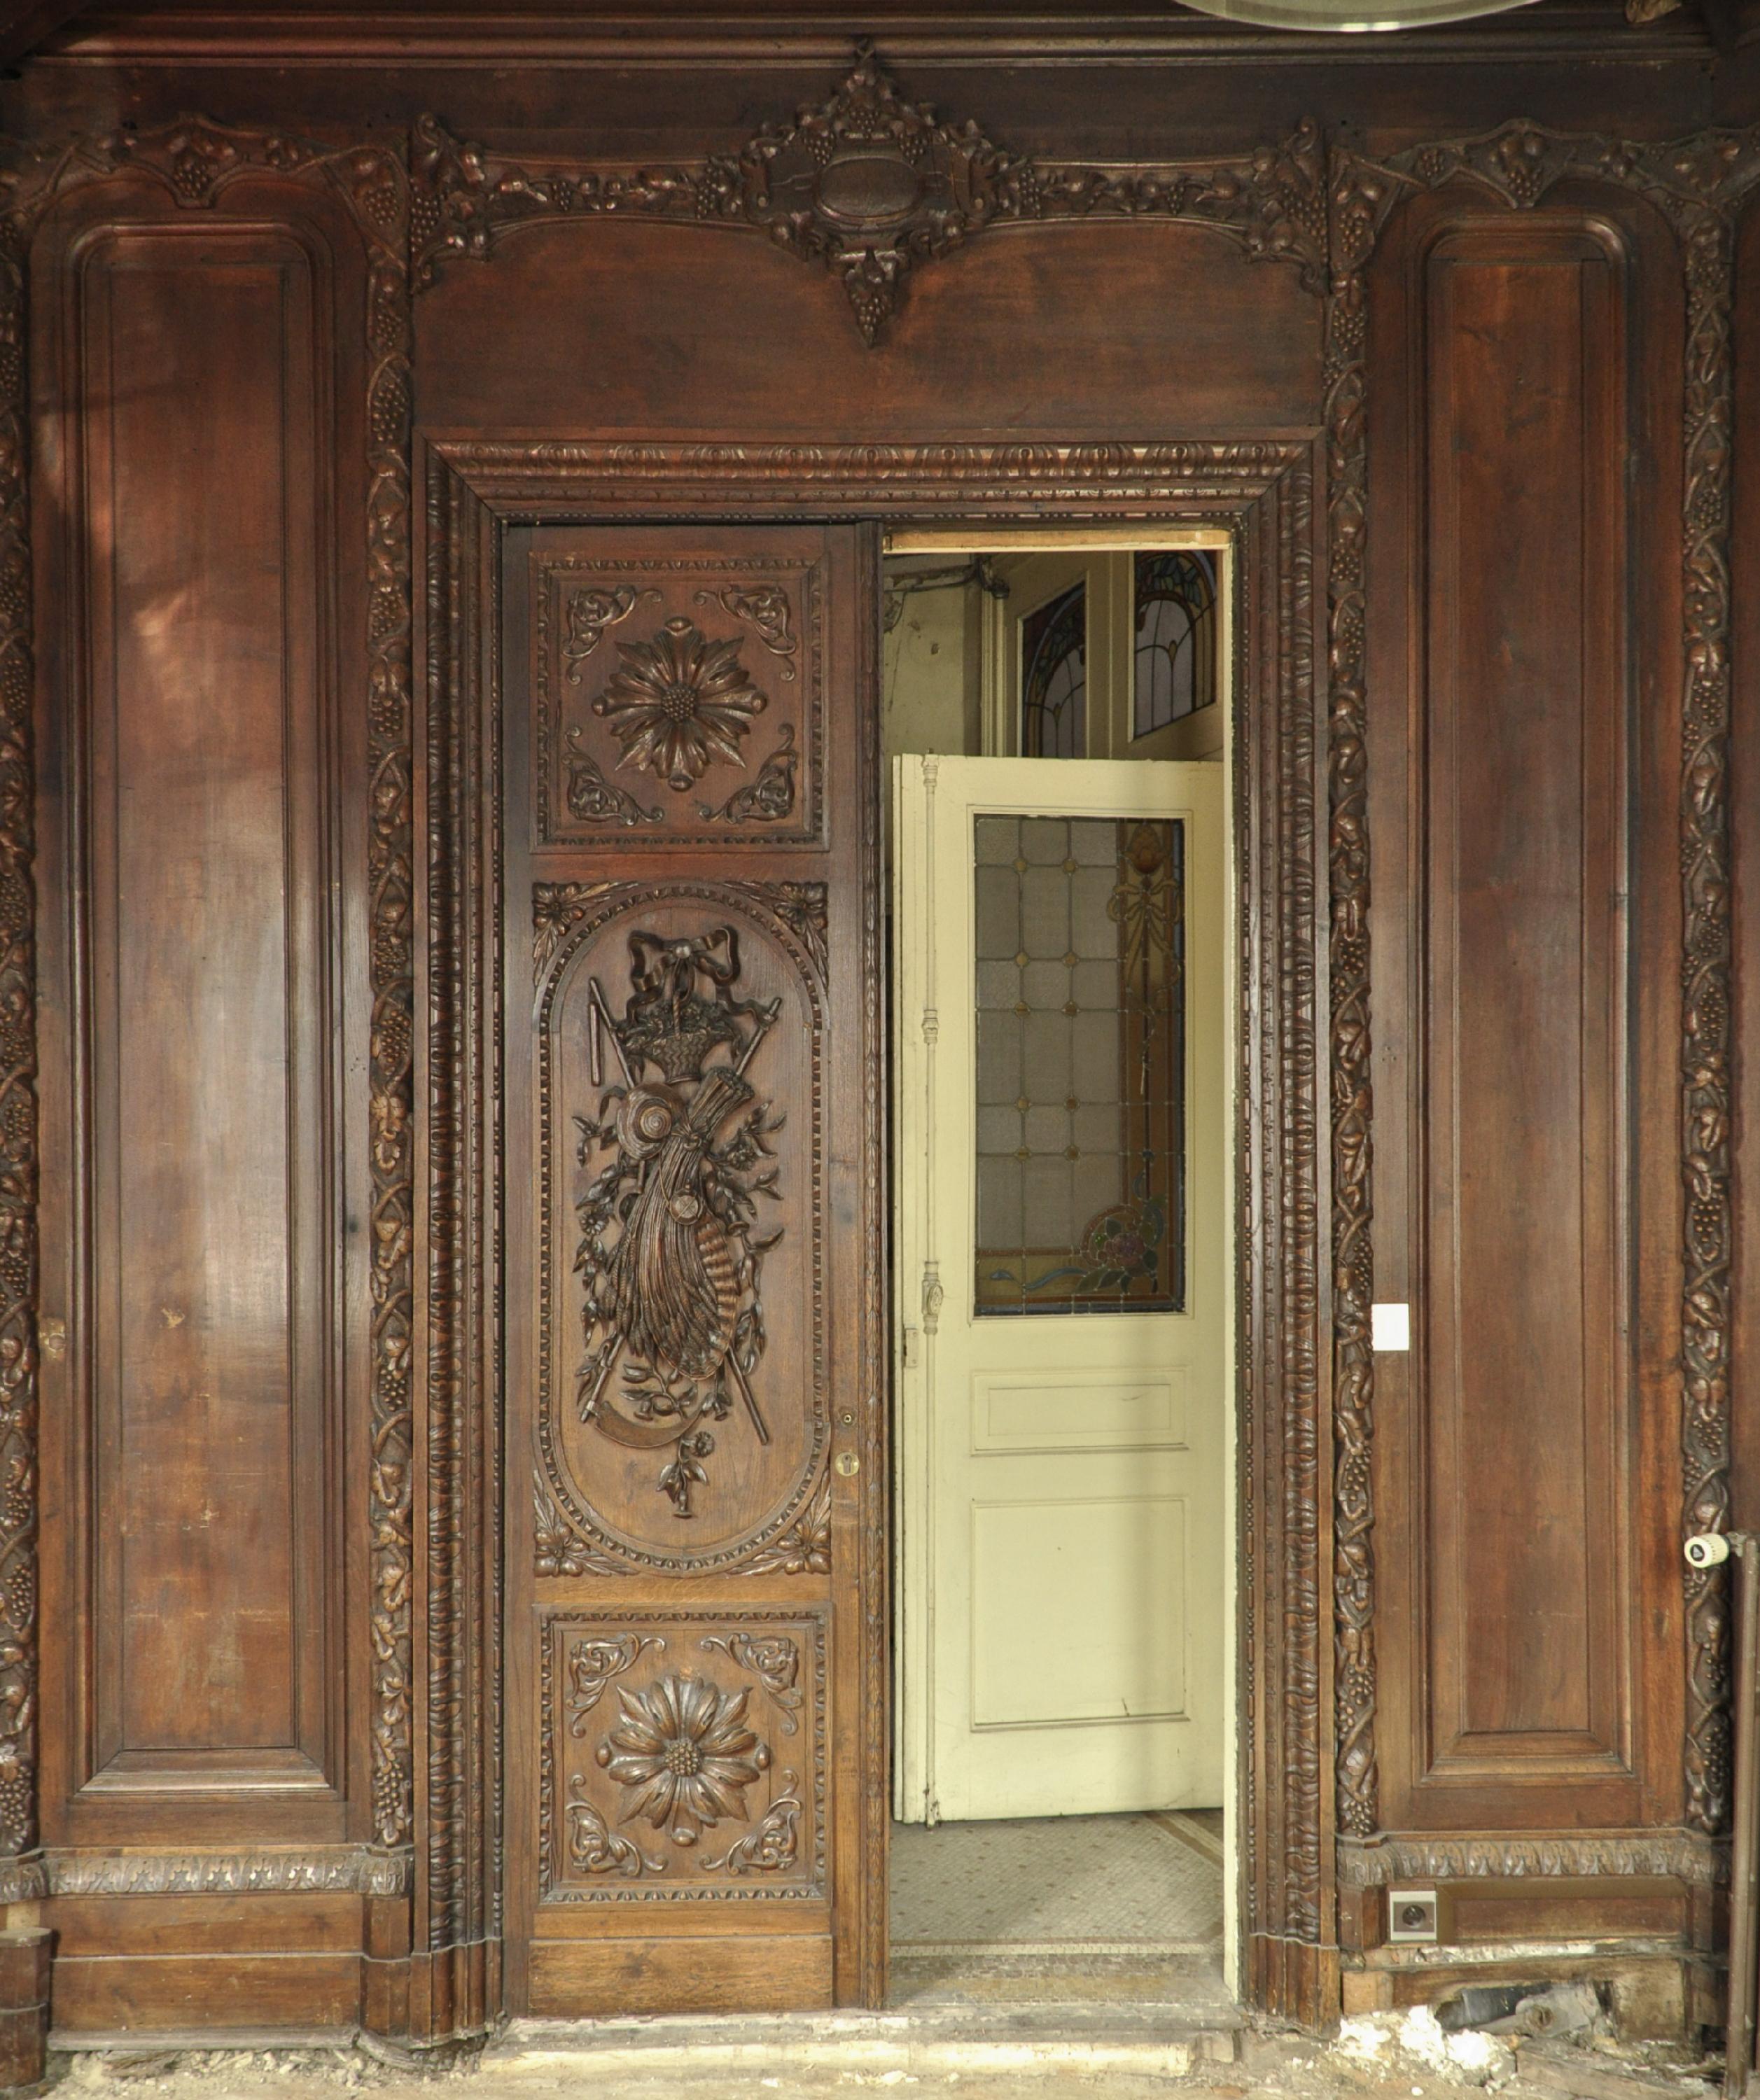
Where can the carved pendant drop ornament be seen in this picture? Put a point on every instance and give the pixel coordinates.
(672, 1238)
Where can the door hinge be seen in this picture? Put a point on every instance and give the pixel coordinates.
(912, 1354)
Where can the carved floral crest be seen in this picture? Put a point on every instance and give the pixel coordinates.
(680, 704)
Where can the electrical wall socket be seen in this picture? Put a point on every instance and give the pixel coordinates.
(1411, 1915)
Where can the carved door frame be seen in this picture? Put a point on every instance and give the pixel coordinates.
(472, 490)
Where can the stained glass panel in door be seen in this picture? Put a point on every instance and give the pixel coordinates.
(1081, 1065)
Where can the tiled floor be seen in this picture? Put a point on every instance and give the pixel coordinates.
(1064, 1910)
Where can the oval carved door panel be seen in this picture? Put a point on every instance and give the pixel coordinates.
(681, 1361)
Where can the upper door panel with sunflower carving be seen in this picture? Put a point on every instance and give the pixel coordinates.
(679, 692)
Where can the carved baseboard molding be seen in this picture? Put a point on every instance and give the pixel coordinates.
(315, 1870)
(1685, 1856)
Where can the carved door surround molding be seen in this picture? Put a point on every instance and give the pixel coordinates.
(1322, 209)
(1263, 492)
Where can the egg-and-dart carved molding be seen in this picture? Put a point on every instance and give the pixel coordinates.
(871, 187)
(1698, 183)
(1678, 1854)
(793, 915)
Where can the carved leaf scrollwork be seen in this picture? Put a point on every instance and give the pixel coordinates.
(591, 1665)
(590, 612)
(770, 796)
(774, 1661)
(595, 1848)
(766, 609)
(774, 1846)
(870, 187)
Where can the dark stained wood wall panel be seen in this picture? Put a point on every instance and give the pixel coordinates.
(206, 1028)
(1521, 1020)
(616, 328)
(198, 982)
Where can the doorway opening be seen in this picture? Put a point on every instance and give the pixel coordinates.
(1055, 716)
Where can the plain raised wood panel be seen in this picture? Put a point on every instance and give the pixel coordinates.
(1525, 1019)
(1522, 485)
(617, 328)
(199, 986)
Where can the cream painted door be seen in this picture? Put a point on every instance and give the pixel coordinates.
(1062, 1119)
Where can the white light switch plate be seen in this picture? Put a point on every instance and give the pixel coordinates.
(1390, 1327)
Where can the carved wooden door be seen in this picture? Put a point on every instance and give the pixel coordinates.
(1063, 1254)
(692, 1181)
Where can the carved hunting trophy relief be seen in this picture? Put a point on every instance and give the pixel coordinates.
(678, 700)
(681, 1085)
(672, 1248)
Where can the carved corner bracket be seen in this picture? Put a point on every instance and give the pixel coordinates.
(871, 187)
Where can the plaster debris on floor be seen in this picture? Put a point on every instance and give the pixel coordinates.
(918, 2057)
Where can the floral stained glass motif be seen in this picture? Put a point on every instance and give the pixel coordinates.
(1081, 1155)
(1174, 663)
(1054, 677)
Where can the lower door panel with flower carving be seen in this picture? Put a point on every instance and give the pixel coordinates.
(694, 1733)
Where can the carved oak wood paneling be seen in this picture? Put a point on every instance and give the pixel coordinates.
(679, 700)
(683, 1277)
(1263, 488)
(335, 397)
(1531, 1056)
(190, 919)
(871, 186)
(689, 1045)
(683, 1752)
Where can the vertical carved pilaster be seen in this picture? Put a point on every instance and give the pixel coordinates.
(1361, 198)
(18, 1087)
(391, 927)
(1705, 1002)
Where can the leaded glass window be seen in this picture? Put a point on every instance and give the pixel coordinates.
(1175, 652)
(1081, 1065)
(1054, 677)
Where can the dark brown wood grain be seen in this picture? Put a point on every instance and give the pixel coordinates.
(1467, 1644)
(1520, 1023)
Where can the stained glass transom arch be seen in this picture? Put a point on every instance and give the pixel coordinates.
(1054, 677)
(1175, 638)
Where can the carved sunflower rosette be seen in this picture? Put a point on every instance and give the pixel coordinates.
(686, 1776)
(680, 700)
(682, 1420)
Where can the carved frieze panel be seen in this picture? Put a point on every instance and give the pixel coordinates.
(683, 1755)
(678, 700)
(871, 186)
(683, 1417)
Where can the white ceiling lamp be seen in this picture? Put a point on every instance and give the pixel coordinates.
(1352, 17)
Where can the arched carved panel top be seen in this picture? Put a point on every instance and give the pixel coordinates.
(682, 1413)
